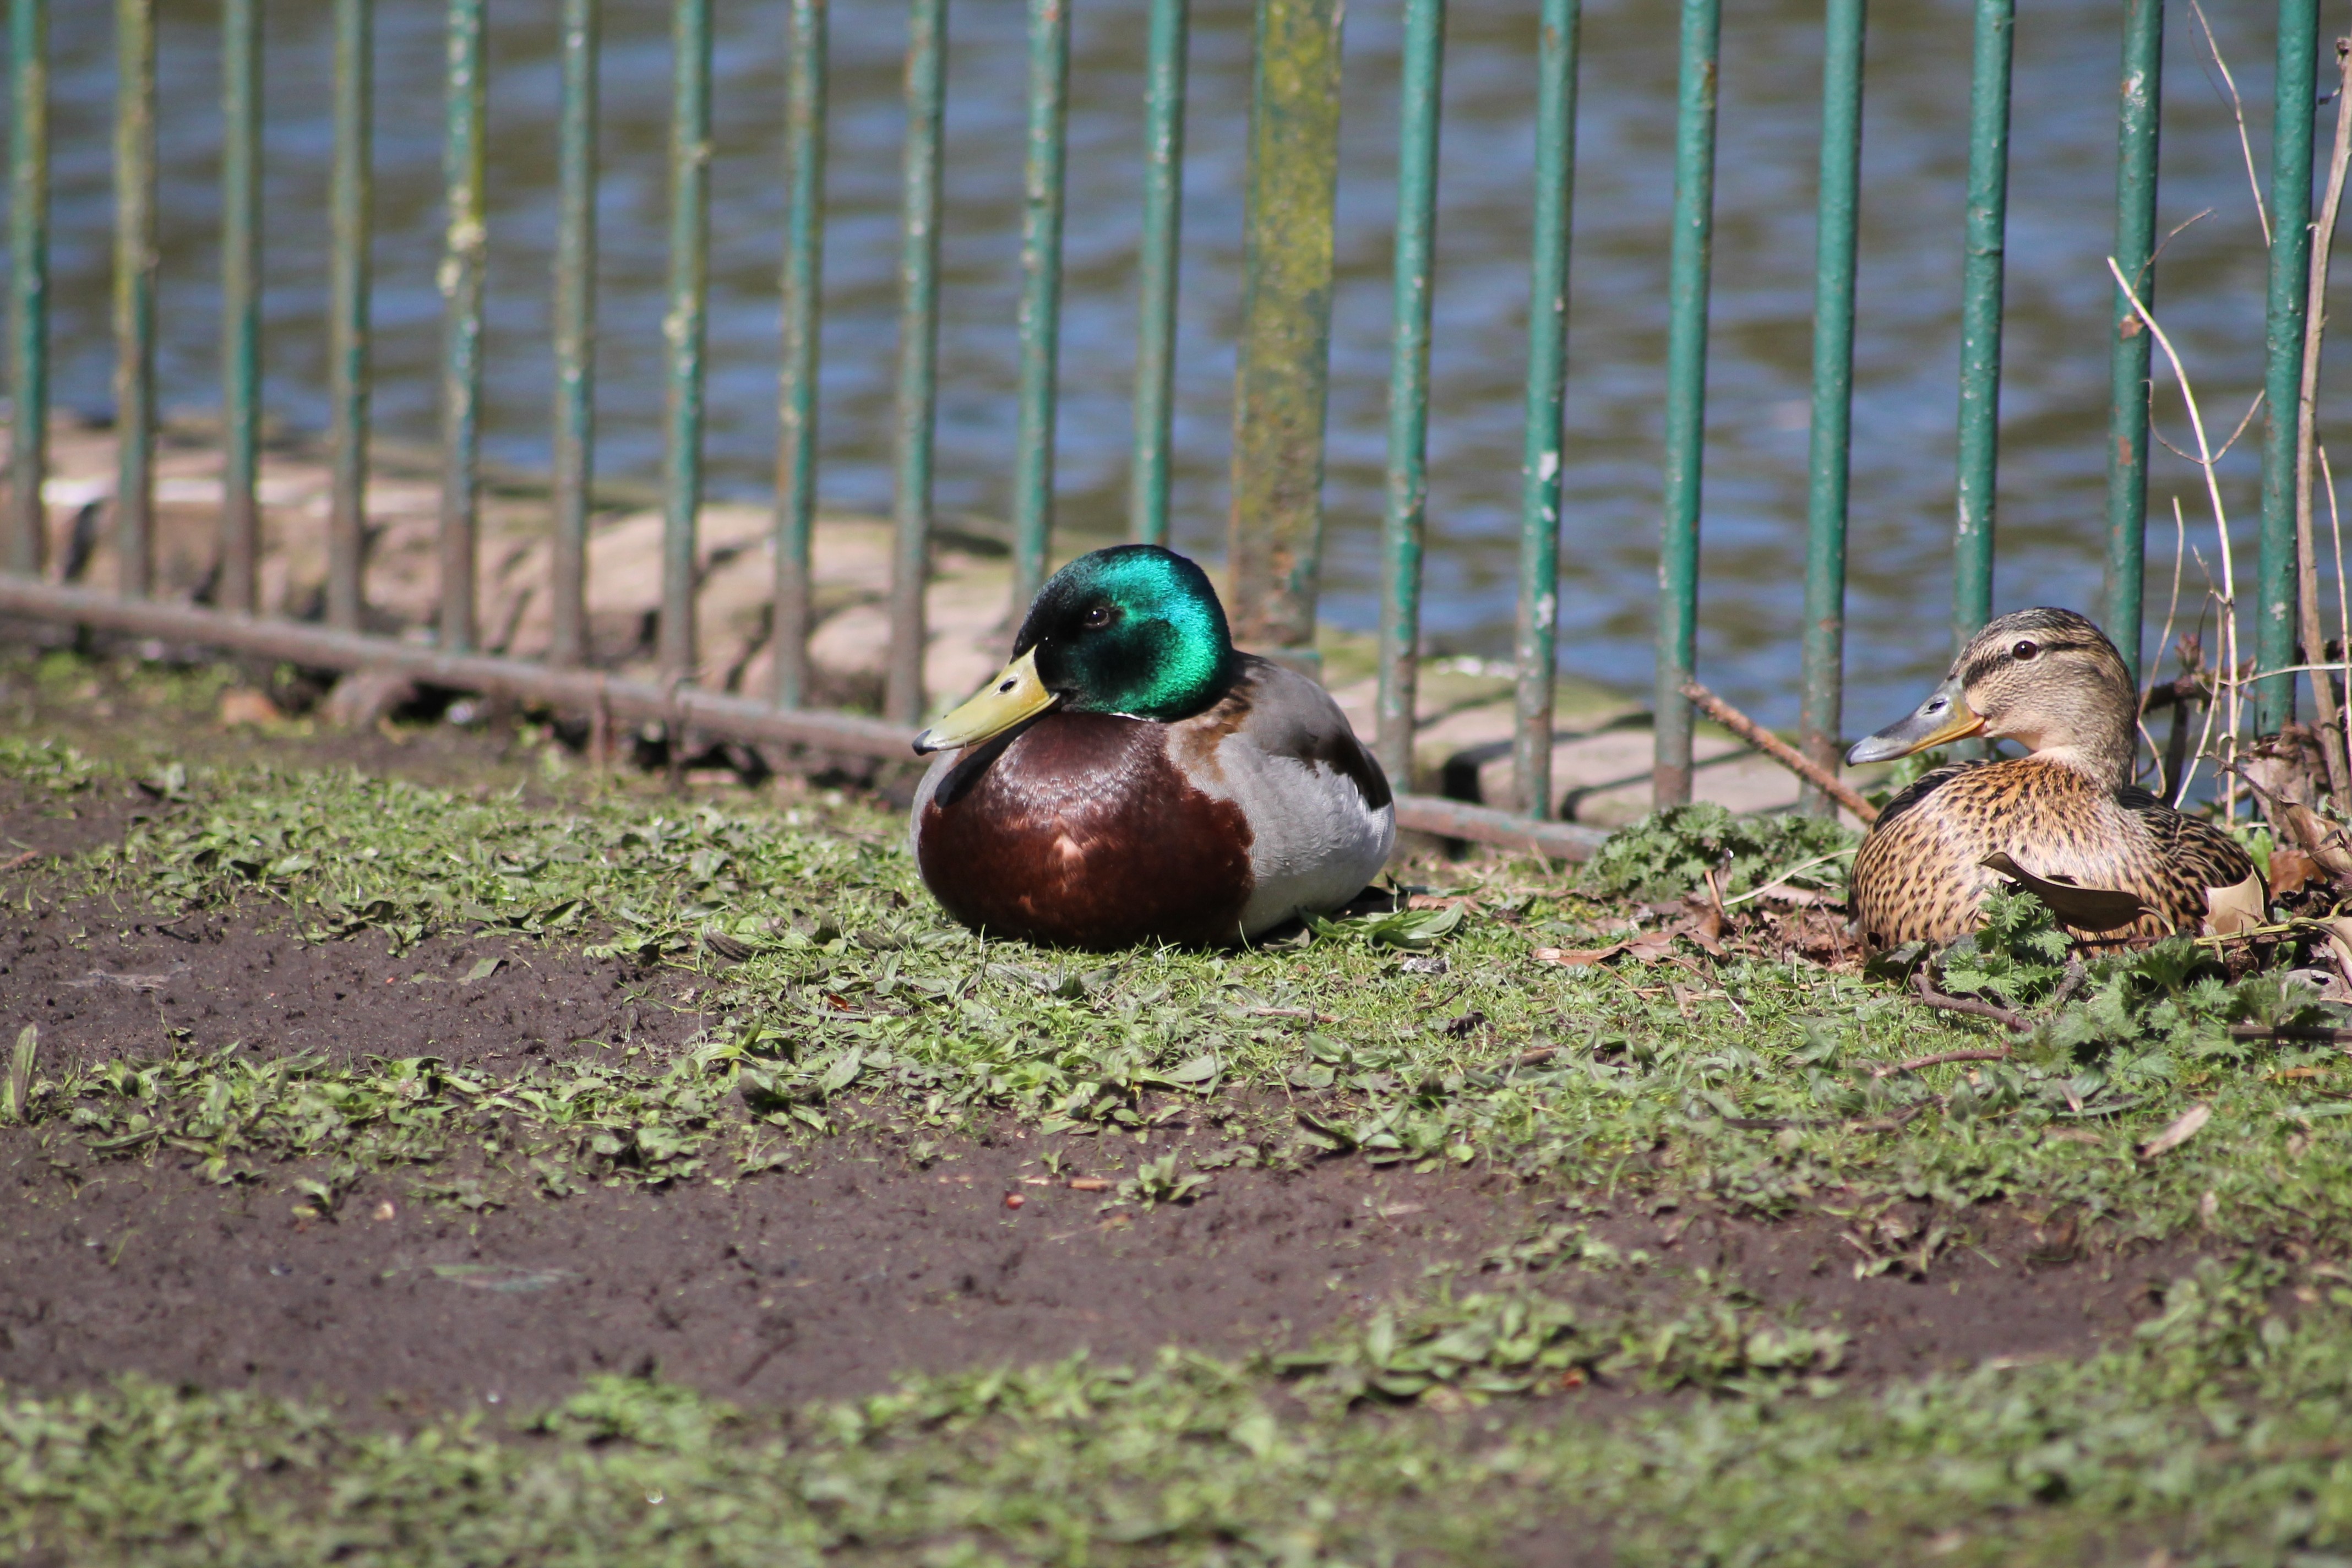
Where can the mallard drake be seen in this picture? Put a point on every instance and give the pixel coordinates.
(2066, 812)
(1131, 777)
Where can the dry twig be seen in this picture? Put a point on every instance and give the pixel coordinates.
(2314, 328)
(1780, 752)
(2005, 1017)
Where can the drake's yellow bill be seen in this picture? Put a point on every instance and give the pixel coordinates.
(1015, 694)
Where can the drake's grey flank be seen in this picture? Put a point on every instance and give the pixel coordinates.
(2066, 811)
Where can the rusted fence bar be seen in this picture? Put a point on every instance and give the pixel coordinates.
(1828, 456)
(574, 418)
(135, 264)
(684, 327)
(803, 280)
(1163, 209)
(2135, 252)
(1404, 516)
(1687, 278)
(28, 283)
(465, 246)
(2295, 107)
(351, 217)
(1041, 295)
(240, 525)
(1540, 454)
(918, 351)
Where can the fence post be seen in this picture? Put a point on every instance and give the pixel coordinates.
(1041, 296)
(1163, 211)
(2137, 123)
(1539, 453)
(683, 327)
(919, 355)
(575, 417)
(802, 285)
(1284, 363)
(1983, 262)
(349, 201)
(240, 521)
(136, 261)
(1405, 516)
(2296, 107)
(28, 283)
(1686, 296)
(464, 243)
(1832, 425)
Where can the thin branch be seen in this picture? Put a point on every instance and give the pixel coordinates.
(1780, 752)
(2237, 112)
(2307, 413)
(1980, 1054)
(2005, 1017)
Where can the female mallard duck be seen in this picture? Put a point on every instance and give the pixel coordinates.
(2066, 811)
(1130, 777)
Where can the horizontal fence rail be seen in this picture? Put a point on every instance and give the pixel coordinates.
(1281, 379)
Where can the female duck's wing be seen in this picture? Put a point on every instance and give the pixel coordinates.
(2202, 856)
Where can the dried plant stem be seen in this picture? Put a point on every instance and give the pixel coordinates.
(1780, 752)
(2343, 606)
(2238, 113)
(2314, 328)
(2205, 463)
(17, 1090)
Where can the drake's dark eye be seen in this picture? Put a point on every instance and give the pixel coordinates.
(1098, 616)
(2024, 651)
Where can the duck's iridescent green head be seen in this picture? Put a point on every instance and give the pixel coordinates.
(1133, 630)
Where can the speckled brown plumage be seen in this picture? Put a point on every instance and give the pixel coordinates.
(2066, 811)
(1920, 873)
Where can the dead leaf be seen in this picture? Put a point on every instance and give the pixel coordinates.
(2085, 909)
(243, 705)
(1650, 946)
(1705, 927)
(1578, 956)
(2229, 911)
(2179, 1132)
(1088, 1185)
(2291, 872)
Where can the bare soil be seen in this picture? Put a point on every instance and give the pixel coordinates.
(828, 1278)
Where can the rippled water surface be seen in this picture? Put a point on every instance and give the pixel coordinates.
(2210, 285)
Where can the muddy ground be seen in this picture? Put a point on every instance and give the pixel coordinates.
(863, 1260)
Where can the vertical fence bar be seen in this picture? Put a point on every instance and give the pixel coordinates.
(684, 329)
(1041, 295)
(350, 201)
(1687, 294)
(575, 331)
(918, 348)
(803, 283)
(1983, 263)
(465, 241)
(134, 295)
(1405, 516)
(1829, 464)
(2295, 105)
(1163, 210)
(1284, 363)
(2142, 96)
(240, 524)
(1539, 461)
(28, 283)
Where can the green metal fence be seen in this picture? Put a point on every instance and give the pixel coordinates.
(1281, 379)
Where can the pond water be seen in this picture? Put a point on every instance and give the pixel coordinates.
(2210, 287)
